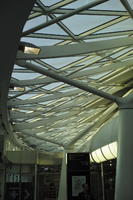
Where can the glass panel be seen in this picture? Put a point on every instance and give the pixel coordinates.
(111, 5)
(51, 2)
(77, 4)
(127, 24)
(130, 3)
(86, 22)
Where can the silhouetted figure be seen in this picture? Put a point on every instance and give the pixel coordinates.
(84, 195)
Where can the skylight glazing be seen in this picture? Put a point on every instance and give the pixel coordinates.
(51, 114)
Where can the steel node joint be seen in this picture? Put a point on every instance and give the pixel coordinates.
(125, 102)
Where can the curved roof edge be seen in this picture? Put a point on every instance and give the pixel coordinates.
(107, 134)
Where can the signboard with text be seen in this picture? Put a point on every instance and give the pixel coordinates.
(17, 191)
(78, 174)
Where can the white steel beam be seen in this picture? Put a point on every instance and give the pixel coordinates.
(93, 36)
(128, 7)
(71, 82)
(62, 17)
(28, 133)
(77, 49)
(52, 16)
(85, 12)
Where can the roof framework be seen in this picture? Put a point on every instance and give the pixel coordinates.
(89, 43)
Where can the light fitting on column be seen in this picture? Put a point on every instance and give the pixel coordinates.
(28, 48)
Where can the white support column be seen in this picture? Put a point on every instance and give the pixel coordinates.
(35, 176)
(63, 180)
(2, 181)
(124, 171)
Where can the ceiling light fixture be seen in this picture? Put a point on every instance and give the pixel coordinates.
(28, 48)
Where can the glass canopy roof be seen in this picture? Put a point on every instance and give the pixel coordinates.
(87, 41)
